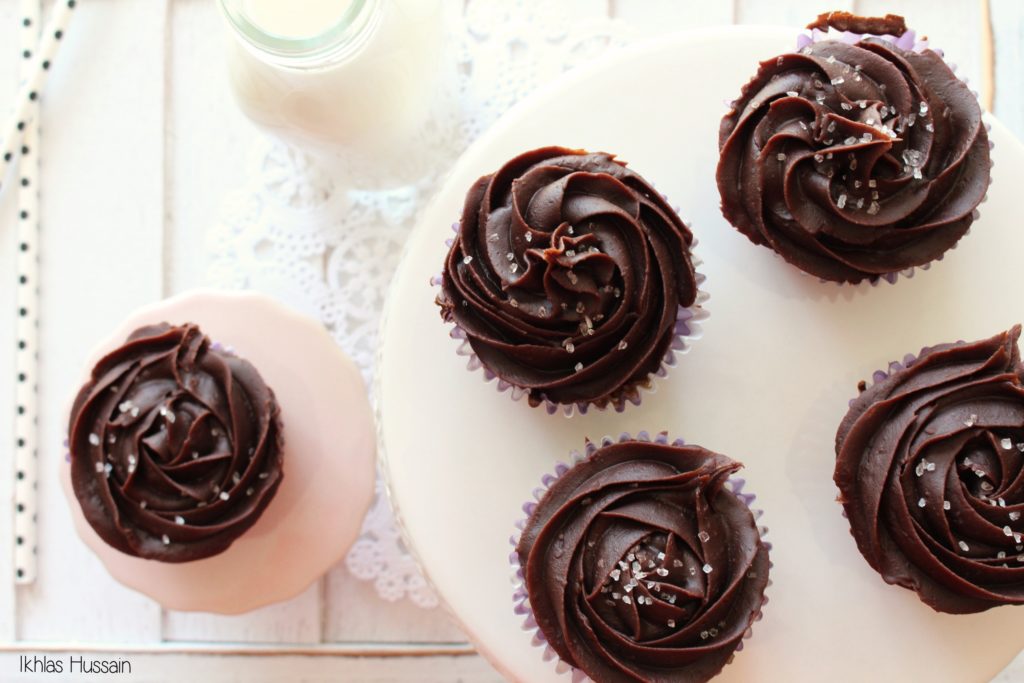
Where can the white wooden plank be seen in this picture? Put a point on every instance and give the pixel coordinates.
(256, 669)
(1008, 42)
(8, 220)
(797, 13)
(208, 138)
(663, 16)
(102, 189)
(956, 29)
(355, 613)
(295, 621)
(208, 142)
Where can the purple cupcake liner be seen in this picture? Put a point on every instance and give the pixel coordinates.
(520, 597)
(688, 329)
(908, 41)
(908, 361)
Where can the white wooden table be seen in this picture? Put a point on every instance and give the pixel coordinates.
(140, 142)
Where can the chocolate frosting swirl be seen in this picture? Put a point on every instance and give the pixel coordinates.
(176, 445)
(930, 469)
(640, 565)
(854, 161)
(567, 275)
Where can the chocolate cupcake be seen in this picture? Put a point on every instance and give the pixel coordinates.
(221, 452)
(859, 156)
(642, 562)
(930, 470)
(571, 279)
(176, 445)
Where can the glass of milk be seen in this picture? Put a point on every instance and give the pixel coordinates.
(352, 82)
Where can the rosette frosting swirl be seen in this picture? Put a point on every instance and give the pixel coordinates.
(930, 469)
(854, 161)
(641, 565)
(567, 276)
(176, 445)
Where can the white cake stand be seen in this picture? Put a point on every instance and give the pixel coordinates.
(767, 385)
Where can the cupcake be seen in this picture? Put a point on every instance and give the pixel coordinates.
(220, 452)
(858, 157)
(571, 278)
(930, 470)
(175, 445)
(642, 562)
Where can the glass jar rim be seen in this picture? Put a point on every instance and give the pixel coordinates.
(334, 43)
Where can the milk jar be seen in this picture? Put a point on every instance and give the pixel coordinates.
(352, 82)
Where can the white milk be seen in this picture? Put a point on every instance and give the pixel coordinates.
(360, 102)
(295, 18)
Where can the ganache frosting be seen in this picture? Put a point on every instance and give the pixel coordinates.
(176, 445)
(930, 469)
(641, 565)
(854, 161)
(567, 275)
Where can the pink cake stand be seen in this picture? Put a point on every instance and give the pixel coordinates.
(328, 461)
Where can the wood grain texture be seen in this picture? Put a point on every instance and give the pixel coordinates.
(238, 669)
(1008, 43)
(295, 621)
(102, 224)
(207, 138)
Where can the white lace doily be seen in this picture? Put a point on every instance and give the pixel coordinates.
(294, 232)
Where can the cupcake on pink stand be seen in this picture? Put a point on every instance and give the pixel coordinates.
(220, 452)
